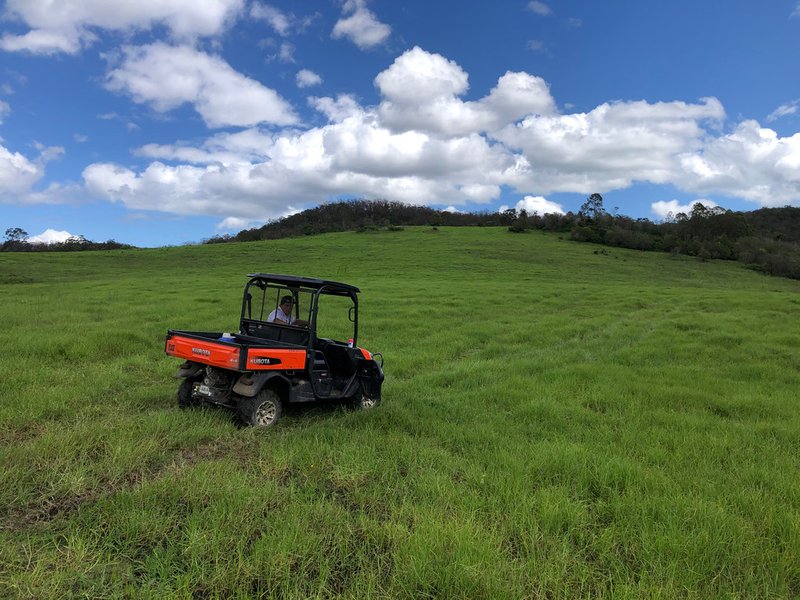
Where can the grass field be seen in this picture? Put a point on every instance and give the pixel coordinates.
(559, 420)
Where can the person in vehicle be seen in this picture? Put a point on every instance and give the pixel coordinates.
(283, 314)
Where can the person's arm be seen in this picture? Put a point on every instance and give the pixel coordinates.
(297, 322)
(275, 317)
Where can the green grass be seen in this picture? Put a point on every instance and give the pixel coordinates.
(559, 420)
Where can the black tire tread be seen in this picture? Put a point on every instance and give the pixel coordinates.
(185, 399)
(247, 407)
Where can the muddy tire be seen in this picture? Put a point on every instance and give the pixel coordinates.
(263, 410)
(185, 399)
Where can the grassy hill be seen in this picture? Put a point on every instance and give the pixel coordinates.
(559, 420)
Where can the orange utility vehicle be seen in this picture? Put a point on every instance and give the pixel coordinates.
(269, 363)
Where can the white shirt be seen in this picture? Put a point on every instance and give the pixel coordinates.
(278, 316)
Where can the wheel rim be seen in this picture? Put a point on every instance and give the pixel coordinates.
(368, 402)
(266, 413)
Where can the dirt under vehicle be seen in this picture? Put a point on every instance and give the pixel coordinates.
(268, 364)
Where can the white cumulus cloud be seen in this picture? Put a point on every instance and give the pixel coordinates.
(665, 208)
(418, 76)
(306, 78)
(354, 155)
(360, 26)
(421, 90)
(539, 205)
(336, 109)
(540, 8)
(238, 223)
(166, 77)
(277, 19)
(286, 52)
(249, 145)
(752, 162)
(422, 143)
(66, 26)
(18, 174)
(50, 236)
(282, 22)
(609, 147)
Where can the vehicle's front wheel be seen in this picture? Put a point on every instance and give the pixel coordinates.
(185, 399)
(364, 402)
(263, 410)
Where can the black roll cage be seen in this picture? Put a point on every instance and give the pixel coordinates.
(315, 287)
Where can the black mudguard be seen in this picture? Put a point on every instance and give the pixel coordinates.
(189, 369)
(250, 384)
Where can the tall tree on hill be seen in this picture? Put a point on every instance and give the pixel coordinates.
(16, 240)
(16, 234)
(520, 224)
(590, 224)
(592, 209)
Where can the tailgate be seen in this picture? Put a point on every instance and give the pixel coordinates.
(200, 349)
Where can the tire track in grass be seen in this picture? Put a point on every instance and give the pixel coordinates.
(53, 507)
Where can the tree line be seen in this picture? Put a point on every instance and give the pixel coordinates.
(16, 240)
(766, 240)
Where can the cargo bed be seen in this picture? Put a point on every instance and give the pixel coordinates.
(243, 353)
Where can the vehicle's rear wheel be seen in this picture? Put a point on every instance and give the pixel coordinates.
(185, 399)
(364, 402)
(263, 410)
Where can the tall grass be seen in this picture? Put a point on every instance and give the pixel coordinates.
(558, 421)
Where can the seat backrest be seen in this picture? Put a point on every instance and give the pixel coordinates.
(277, 333)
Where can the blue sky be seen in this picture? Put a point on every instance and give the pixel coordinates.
(160, 122)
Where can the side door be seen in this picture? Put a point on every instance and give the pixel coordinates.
(335, 330)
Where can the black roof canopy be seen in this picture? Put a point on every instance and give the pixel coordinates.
(306, 282)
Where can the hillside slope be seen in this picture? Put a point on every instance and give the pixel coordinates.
(767, 240)
(559, 420)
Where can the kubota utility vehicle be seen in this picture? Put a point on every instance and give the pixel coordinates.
(268, 363)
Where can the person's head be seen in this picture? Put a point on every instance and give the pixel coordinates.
(286, 303)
